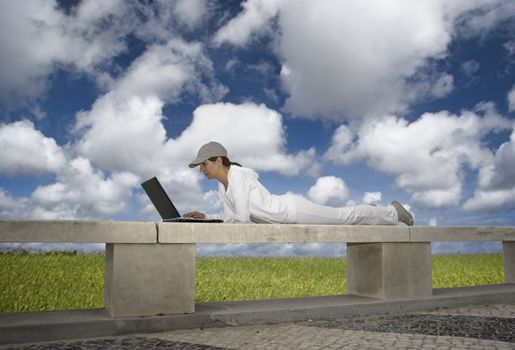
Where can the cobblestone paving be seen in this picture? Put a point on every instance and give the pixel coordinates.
(491, 328)
(119, 343)
(295, 336)
(503, 310)
(468, 328)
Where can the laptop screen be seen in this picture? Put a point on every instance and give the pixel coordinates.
(160, 199)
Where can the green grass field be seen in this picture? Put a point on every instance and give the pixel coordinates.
(65, 281)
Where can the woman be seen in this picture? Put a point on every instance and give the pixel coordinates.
(246, 200)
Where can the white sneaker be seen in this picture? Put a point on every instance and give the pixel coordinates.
(403, 214)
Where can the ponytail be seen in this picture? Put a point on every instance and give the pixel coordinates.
(225, 161)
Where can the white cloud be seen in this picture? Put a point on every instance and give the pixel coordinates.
(254, 17)
(341, 143)
(162, 71)
(443, 85)
(362, 58)
(372, 197)
(232, 64)
(26, 150)
(26, 60)
(511, 99)
(83, 192)
(253, 134)
(80, 192)
(440, 198)
(134, 147)
(329, 190)
(360, 69)
(500, 174)
(191, 12)
(509, 46)
(136, 101)
(478, 17)
(496, 181)
(160, 20)
(36, 38)
(167, 70)
(491, 200)
(12, 207)
(427, 156)
(469, 68)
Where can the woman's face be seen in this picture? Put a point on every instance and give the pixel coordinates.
(209, 169)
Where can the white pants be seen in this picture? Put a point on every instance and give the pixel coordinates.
(307, 212)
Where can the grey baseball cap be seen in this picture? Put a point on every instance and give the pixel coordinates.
(210, 149)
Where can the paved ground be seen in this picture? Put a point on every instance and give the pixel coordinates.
(474, 328)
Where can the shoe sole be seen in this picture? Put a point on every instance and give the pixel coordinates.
(404, 215)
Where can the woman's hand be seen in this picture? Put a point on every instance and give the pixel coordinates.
(195, 214)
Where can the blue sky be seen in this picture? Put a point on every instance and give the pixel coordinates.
(344, 102)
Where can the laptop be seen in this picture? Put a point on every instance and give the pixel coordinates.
(164, 205)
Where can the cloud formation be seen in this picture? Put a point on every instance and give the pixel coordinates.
(496, 181)
(85, 40)
(511, 99)
(329, 190)
(159, 76)
(252, 21)
(253, 134)
(26, 150)
(335, 65)
(84, 192)
(47, 39)
(427, 156)
(372, 197)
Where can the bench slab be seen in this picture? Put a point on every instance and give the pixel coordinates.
(74, 231)
(278, 233)
(478, 233)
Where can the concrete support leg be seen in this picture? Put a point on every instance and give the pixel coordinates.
(508, 248)
(149, 279)
(389, 270)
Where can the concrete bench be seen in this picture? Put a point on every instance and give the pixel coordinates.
(133, 280)
(150, 268)
(478, 233)
(384, 262)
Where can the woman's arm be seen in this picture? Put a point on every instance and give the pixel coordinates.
(237, 200)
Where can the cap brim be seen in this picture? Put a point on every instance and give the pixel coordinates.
(196, 162)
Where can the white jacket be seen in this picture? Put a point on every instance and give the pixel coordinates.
(247, 200)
